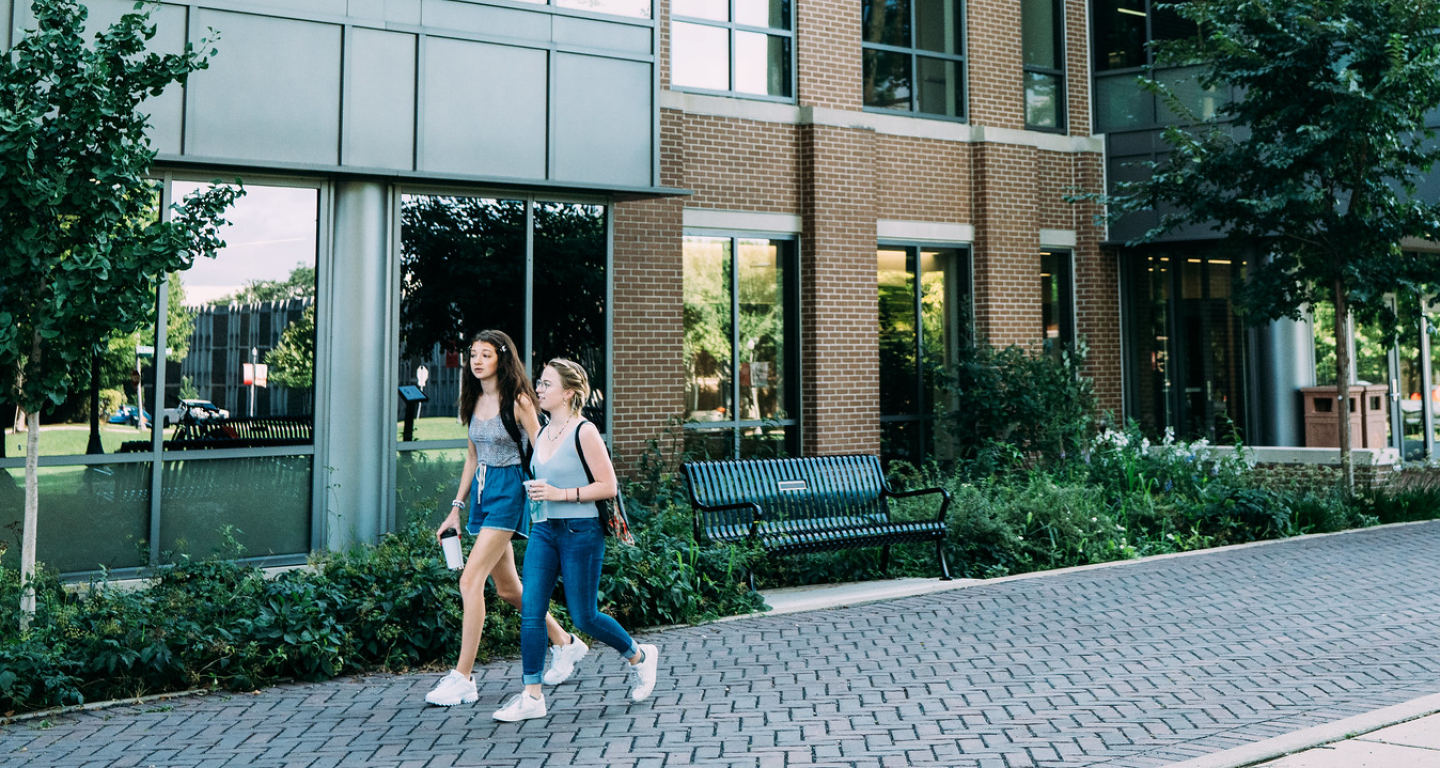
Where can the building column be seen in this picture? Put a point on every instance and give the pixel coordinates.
(839, 310)
(1287, 363)
(355, 433)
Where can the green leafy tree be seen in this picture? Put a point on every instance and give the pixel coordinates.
(79, 259)
(299, 285)
(292, 361)
(1312, 170)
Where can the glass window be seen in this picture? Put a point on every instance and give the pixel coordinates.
(241, 363)
(739, 346)
(1123, 33)
(90, 516)
(738, 47)
(1185, 345)
(533, 269)
(924, 319)
(263, 502)
(637, 9)
(453, 252)
(914, 56)
(1057, 301)
(1042, 30)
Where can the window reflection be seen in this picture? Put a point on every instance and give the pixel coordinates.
(462, 270)
(569, 294)
(923, 321)
(637, 9)
(738, 345)
(913, 57)
(241, 360)
(749, 54)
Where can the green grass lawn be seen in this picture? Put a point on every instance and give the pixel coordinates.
(71, 439)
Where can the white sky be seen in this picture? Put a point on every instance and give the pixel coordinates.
(272, 230)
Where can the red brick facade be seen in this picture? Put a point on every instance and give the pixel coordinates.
(844, 171)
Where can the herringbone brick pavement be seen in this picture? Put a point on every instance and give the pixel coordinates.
(1131, 666)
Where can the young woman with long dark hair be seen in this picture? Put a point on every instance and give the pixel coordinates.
(497, 401)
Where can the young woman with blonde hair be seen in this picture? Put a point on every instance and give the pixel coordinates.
(566, 540)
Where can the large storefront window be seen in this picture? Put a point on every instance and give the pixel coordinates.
(219, 393)
(739, 47)
(740, 359)
(924, 319)
(1186, 347)
(533, 269)
(914, 56)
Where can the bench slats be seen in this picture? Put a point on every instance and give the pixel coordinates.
(805, 504)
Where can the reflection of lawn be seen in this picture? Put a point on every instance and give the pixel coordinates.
(434, 428)
(72, 439)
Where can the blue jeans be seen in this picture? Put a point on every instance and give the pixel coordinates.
(572, 548)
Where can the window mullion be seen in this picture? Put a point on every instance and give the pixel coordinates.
(735, 343)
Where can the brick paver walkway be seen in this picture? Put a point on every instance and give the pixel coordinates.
(1132, 666)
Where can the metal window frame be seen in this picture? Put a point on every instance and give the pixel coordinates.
(963, 316)
(915, 53)
(731, 27)
(791, 333)
(1062, 114)
(156, 455)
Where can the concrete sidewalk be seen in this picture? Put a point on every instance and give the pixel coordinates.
(1233, 656)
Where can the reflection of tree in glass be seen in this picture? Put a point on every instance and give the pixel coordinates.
(570, 284)
(707, 322)
(299, 285)
(897, 344)
(292, 361)
(462, 262)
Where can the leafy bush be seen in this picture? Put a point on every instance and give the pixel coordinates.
(1011, 407)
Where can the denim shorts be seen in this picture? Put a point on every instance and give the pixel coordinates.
(501, 503)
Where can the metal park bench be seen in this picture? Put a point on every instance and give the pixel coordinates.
(812, 504)
(244, 432)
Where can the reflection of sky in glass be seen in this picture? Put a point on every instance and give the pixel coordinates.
(639, 9)
(271, 231)
(719, 10)
(752, 62)
(701, 56)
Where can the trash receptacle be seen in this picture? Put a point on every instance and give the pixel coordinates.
(1322, 418)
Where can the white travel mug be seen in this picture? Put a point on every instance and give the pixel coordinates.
(450, 544)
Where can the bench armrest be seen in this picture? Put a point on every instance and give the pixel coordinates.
(944, 505)
(757, 514)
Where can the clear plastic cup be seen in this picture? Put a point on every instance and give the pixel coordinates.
(538, 509)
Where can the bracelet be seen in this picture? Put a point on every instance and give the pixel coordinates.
(458, 504)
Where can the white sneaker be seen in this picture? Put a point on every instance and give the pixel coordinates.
(644, 673)
(562, 660)
(521, 707)
(453, 689)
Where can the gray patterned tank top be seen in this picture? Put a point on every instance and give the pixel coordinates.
(493, 445)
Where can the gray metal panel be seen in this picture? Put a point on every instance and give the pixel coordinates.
(294, 7)
(603, 35)
(272, 94)
(488, 20)
(483, 110)
(166, 110)
(602, 120)
(402, 11)
(380, 100)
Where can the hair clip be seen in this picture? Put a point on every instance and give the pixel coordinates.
(503, 349)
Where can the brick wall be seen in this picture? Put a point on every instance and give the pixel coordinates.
(922, 179)
(840, 397)
(1097, 291)
(649, 381)
(741, 164)
(995, 65)
(828, 68)
(1007, 245)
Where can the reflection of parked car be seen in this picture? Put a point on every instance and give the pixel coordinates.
(194, 411)
(128, 414)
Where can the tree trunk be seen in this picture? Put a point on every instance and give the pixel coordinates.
(95, 446)
(1342, 382)
(32, 508)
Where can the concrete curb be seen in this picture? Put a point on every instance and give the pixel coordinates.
(1309, 738)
